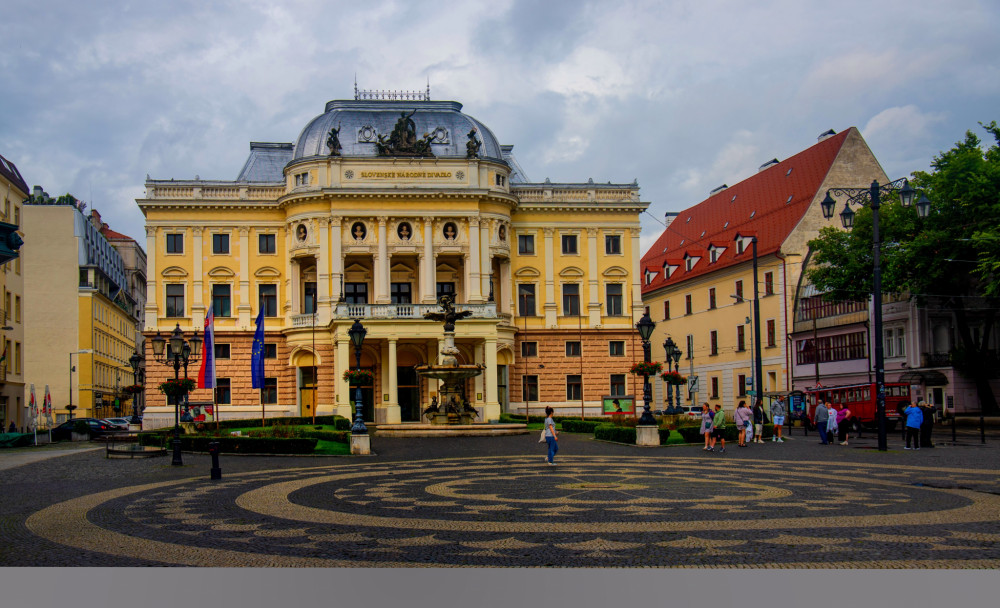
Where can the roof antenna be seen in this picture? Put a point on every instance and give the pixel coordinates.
(428, 98)
(355, 86)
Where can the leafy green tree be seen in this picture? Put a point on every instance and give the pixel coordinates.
(950, 260)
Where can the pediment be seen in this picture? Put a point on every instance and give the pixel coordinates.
(221, 272)
(174, 272)
(527, 271)
(571, 272)
(615, 271)
(267, 272)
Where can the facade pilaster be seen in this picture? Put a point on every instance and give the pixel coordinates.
(550, 284)
(382, 264)
(392, 413)
(151, 311)
(485, 262)
(336, 258)
(473, 270)
(428, 265)
(244, 307)
(594, 304)
(492, 409)
(636, 276)
(341, 363)
(198, 274)
(323, 274)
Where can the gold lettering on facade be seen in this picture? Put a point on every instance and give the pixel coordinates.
(405, 174)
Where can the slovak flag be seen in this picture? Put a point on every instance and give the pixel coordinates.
(206, 374)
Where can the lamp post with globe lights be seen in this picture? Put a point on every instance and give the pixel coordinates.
(179, 352)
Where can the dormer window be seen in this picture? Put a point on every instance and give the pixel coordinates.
(715, 252)
(690, 261)
(650, 275)
(669, 269)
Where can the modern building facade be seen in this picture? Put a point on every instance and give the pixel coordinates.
(698, 281)
(13, 191)
(79, 327)
(379, 208)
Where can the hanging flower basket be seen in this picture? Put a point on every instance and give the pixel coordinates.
(646, 369)
(134, 389)
(673, 378)
(359, 377)
(177, 388)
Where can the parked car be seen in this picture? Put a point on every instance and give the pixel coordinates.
(121, 423)
(97, 427)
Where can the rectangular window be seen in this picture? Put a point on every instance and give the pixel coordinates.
(529, 388)
(741, 381)
(269, 396)
(526, 244)
(768, 283)
(713, 338)
(687, 304)
(895, 342)
(356, 293)
(845, 347)
(739, 291)
(614, 297)
(569, 244)
(175, 243)
(529, 349)
(266, 243)
(616, 348)
(17, 357)
(223, 394)
(446, 288)
(221, 300)
(571, 299)
(771, 335)
(741, 333)
(573, 348)
(711, 298)
(526, 300)
(270, 350)
(17, 309)
(574, 387)
(175, 300)
(220, 244)
(666, 310)
(612, 244)
(715, 387)
(221, 351)
(268, 300)
(309, 297)
(617, 388)
(400, 293)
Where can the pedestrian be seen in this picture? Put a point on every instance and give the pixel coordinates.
(899, 410)
(778, 418)
(831, 425)
(843, 424)
(551, 437)
(742, 417)
(12, 428)
(706, 425)
(719, 428)
(927, 427)
(822, 419)
(758, 421)
(913, 419)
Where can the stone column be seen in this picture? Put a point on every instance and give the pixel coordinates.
(295, 287)
(478, 381)
(505, 297)
(244, 308)
(197, 279)
(382, 265)
(336, 258)
(392, 413)
(151, 312)
(473, 270)
(637, 308)
(286, 302)
(549, 305)
(323, 274)
(341, 363)
(594, 305)
(492, 410)
(428, 265)
(485, 262)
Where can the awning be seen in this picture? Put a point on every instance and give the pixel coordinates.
(928, 378)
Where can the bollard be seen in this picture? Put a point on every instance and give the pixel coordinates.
(954, 440)
(982, 427)
(213, 449)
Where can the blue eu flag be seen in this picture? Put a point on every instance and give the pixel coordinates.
(257, 353)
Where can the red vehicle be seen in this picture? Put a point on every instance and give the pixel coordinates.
(860, 399)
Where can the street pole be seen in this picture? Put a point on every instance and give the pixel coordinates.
(758, 364)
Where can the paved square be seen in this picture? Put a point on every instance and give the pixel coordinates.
(494, 502)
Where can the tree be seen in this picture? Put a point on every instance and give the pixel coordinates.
(950, 260)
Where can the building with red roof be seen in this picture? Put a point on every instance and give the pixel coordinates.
(698, 279)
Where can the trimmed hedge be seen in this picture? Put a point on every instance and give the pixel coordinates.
(338, 436)
(623, 434)
(581, 426)
(237, 445)
(279, 420)
(691, 434)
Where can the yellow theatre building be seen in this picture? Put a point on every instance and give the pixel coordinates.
(379, 208)
(698, 281)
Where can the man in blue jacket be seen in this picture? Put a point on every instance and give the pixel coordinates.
(821, 418)
(914, 418)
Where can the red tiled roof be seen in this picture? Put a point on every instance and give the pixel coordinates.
(9, 170)
(112, 235)
(767, 205)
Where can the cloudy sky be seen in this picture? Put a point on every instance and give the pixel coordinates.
(683, 95)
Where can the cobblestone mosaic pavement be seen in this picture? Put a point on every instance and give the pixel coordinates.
(495, 502)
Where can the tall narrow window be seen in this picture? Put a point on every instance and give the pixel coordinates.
(687, 304)
(529, 388)
(690, 349)
(614, 297)
(223, 393)
(715, 387)
(739, 291)
(768, 283)
(269, 300)
(741, 381)
(617, 387)
(741, 331)
(571, 299)
(265, 243)
(220, 244)
(574, 387)
(771, 335)
(269, 396)
(612, 244)
(309, 297)
(711, 298)
(221, 297)
(526, 300)
(666, 309)
(713, 338)
(175, 300)
(569, 244)
(175, 243)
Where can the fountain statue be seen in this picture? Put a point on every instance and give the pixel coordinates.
(451, 405)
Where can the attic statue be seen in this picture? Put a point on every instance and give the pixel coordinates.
(472, 146)
(333, 141)
(449, 316)
(403, 139)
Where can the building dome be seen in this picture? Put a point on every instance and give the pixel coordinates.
(362, 121)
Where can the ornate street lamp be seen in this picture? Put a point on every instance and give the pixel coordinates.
(676, 355)
(357, 334)
(668, 349)
(179, 352)
(135, 361)
(872, 198)
(646, 327)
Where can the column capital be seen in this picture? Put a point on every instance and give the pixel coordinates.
(324, 222)
(428, 219)
(196, 230)
(474, 222)
(549, 232)
(592, 232)
(336, 220)
(244, 230)
(382, 220)
(150, 231)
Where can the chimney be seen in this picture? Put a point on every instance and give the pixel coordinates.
(826, 134)
(669, 217)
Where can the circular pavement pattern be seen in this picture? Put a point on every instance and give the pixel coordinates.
(590, 511)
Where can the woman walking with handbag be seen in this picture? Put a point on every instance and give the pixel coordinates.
(706, 425)
(742, 418)
(551, 437)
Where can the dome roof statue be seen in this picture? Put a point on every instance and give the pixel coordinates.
(366, 128)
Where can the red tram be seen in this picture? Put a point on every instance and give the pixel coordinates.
(860, 399)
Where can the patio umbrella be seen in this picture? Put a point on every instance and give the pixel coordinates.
(47, 411)
(33, 414)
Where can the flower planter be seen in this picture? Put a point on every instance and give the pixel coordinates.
(74, 436)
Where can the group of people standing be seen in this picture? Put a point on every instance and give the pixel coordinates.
(749, 421)
(919, 424)
(833, 421)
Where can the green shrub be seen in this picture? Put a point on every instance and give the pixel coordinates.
(342, 424)
(664, 435)
(690, 434)
(580, 426)
(279, 421)
(234, 444)
(618, 434)
(337, 436)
